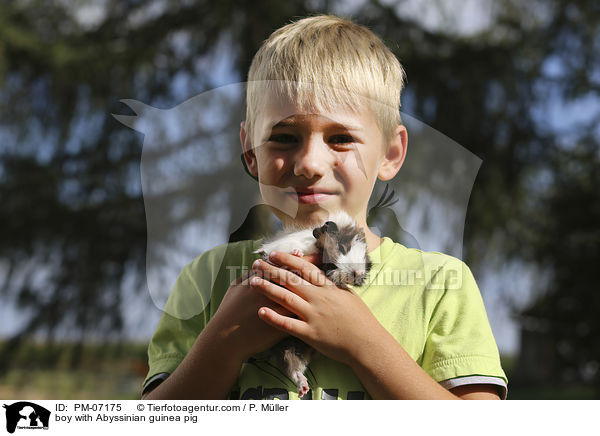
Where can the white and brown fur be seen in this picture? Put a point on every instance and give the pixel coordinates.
(345, 262)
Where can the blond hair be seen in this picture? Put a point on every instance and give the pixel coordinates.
(323, 62)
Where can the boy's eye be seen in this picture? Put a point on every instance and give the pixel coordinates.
(286, 139)
(283, 138)
(342, 139)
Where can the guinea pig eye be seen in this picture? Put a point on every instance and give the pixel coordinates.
(342, 248)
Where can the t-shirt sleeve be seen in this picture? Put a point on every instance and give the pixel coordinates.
(185, 315)
(197, 292)
(460, 347)
(177, 331)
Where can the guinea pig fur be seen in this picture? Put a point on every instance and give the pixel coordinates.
(340, 241)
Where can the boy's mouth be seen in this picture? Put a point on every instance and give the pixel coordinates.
(312, 196)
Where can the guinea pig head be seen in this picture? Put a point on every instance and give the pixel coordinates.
(344, 252)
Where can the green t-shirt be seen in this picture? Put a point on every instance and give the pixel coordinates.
(428, 301)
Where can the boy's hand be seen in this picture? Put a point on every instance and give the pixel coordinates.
(236, 321)
(237, 325)
(334, 321)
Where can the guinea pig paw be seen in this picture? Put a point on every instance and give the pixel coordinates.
(301, 382)
(303, 391)
(297, 252)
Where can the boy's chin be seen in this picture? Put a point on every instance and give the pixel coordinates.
(304, 216)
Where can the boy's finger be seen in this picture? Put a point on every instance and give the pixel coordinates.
(305, 269)
(282, 310)
(281, 276)
(289, 325)
(287, 299)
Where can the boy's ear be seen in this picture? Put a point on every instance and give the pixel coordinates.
(249, 157)
(394, 156)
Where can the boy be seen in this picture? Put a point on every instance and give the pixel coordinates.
(322, 125)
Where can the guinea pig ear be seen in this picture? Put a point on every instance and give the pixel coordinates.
(331, 227)
(317, 232)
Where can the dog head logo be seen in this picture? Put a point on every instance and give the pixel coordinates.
(26, 415)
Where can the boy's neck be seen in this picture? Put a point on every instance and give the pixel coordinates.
(373, 241)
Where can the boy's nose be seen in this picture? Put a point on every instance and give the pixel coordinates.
(312, 159)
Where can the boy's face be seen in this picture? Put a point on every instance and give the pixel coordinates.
(312, 164)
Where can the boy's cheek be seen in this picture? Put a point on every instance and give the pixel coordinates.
(269, 160)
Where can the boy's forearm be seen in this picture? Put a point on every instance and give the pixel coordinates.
(207, 372)
(388, 372)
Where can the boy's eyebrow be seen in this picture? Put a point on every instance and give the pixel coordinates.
(291, 123)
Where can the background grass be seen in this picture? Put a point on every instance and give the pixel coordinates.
(104, 371)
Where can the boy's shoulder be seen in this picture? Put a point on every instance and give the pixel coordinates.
(395, 254)
(427, 270)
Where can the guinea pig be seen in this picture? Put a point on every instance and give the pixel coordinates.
(344, 260)
(340, 241)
